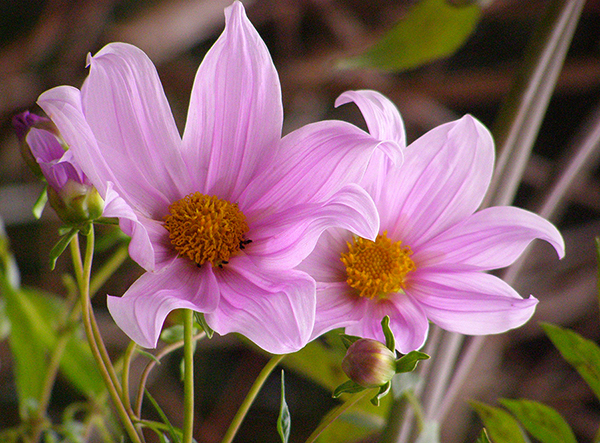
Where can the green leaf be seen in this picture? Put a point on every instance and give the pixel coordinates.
(383, 391)
(432, 29)
(40, 203)
(175, 433)
(284, 420)
(502, 427)
(60, 247)
(483, 437)
(202, 322)
(348, 387)
(33, 316)
(408, 362)
(390, 341)
(542, 422)
(582, 354)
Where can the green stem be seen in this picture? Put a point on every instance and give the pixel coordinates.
(335, 413)
(254, 390)
(188, 375)
(144, 377)
(125, 376)
(83, 272)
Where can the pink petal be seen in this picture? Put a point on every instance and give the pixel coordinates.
(126, 108)
(337, 307)
(313, 163)
(382, 116)
(408, 322)
(63, 106)
(285, 238)
(324, 263)
(142, 310)
(275, 310)
(149, 239)
(443, 179)
(472, 303)
(489, 239)
(235, 113)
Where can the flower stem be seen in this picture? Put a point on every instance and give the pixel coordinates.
(335, 413)
(188, 375)
(254, 390)
(108, 269)
(83, 272)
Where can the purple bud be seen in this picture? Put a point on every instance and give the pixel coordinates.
(369, 363)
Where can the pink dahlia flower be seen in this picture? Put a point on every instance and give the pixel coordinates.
(220, 216)
(429, 260)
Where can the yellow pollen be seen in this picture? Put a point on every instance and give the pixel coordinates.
(206, 228)
(377, 268)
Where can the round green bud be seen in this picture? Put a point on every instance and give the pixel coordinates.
(76, 203)
(369, 363)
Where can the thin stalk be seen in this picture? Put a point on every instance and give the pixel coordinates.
(188, 375)
(83, 272)
(125, 376)
(254, 390)
(336, 413)
(144, 377)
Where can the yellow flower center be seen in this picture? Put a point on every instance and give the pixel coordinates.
(206, 228)
(377, 268)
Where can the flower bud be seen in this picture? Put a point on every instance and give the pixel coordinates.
(70, 192)
(369, 363)
(22, 125)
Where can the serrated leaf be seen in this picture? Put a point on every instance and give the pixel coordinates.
(483, 437)
(408, 362)
(501, 426)
(432, 29)
(390, 341)
(202, 322)
(284, 420)
(582, 354)
(61, 245)
(40, 203)
(542, 422)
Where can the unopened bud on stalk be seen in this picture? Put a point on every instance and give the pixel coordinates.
(369, 363)
(70, 193)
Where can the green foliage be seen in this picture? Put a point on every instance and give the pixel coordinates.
(502, 427)
(61, 245)
(541, 421)
(408, 362)
(284, 420)
(432, 29)
(582, 354)
(33, 316)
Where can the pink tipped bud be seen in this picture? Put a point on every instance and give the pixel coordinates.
(369, 363)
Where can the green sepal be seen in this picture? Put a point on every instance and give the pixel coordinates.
(348, 387)
(199, 317)
(284, 420)
(483, 437)
(347, 340)
(390, 341)
(61, 245)
(408, 362)
(40, 203)
(383, 391)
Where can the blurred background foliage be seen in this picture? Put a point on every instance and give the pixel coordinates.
(317, 46)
